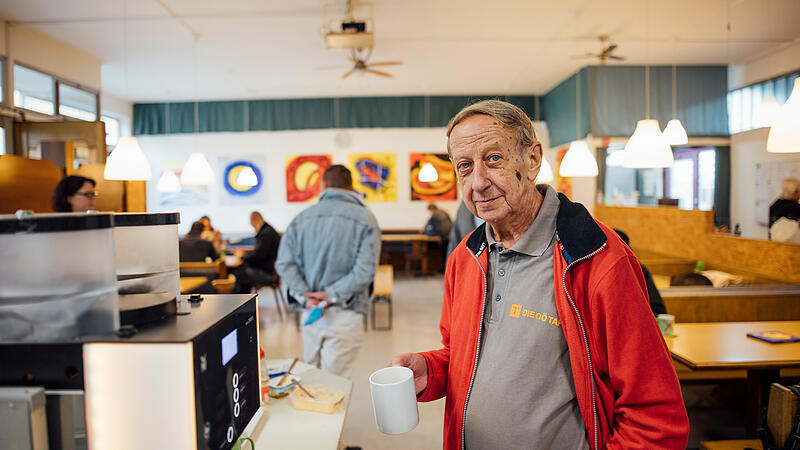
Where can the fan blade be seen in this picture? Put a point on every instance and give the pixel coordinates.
(610, 48)
(386, 63)
(618, 58)
(378, 72)
(347, 74)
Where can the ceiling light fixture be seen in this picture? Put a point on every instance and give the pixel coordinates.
(545, 174)
(579, 161)
(127, 161)
(647, 147)
(197, 170)
(247, 177)
(428, 173)
(784, 136)
(169, 182)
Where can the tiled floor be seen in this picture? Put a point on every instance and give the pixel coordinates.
(417, 305)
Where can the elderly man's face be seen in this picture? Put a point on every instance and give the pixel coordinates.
(494, 176)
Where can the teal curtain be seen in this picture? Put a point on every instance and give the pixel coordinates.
(220, 116)
(382, 112)
(291, 114)
(181, 117)
(149, 118)
(618, 98)
(559, 110)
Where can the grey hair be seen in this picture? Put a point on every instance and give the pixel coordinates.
(790, 187)
(510, 116)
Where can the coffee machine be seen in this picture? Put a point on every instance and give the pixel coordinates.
(184, 375)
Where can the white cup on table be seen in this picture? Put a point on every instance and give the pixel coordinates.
(394, 399)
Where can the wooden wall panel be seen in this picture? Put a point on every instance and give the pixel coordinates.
(690, 235)
(112, 193)
(27, 184)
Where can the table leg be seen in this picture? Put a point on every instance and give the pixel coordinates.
(758, 383)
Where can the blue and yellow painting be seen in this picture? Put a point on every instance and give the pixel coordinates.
(242, 180)
(374, 175)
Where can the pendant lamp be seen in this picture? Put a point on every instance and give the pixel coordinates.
(169, 182)
(769, 111)
(545, 174)
(197, 170)
(428, 173)
(247, 177)
(647, 147)
(674, 132)
(579, 161)
(127, 162)
(784, 137)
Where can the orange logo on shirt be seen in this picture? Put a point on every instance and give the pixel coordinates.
(518, 311)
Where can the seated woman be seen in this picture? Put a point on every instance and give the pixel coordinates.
(193, 248)
(74, 194)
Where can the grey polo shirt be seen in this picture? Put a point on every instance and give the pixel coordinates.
(523, 394)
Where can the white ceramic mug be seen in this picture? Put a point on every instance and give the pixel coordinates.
(394, 400)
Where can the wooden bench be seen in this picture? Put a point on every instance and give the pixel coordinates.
(732, 304)
(382, 292)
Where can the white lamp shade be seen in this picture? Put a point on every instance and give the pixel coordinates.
(197, 170)
(247, 177)
(127, 162)
(545, 172)
(578, 162)
(768, 112)
(428, 173)
(784, 137)
(675, 134)
(169, 182)
(647, 147)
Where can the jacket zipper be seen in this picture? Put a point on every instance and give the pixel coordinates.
(477, 353)
(583, 331)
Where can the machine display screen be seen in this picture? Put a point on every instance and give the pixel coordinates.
(229, 347)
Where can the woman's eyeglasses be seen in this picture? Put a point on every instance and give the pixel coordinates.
(90, 194)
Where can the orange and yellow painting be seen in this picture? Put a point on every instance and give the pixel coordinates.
(444, 188)
(304, 176)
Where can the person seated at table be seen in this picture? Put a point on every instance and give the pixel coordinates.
(656, 302)
(74, 193)
(439, 224)
(258, 267)
(210, 234)
(193, 248)
(463, 226)
(786, 205)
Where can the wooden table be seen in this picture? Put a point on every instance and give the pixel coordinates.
(415, 252)
(282, 426)
(725, 345)
(189, 284)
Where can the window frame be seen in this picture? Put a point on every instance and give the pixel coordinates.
(80, 87)
(57, 82)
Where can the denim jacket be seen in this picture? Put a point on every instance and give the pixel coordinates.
(332, 246)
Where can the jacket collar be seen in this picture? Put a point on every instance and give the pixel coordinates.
(341, 195)
(576, 230)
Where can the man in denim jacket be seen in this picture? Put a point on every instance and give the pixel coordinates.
(327, 257)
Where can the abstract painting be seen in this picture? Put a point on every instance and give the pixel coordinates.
(237, 187)
(374, 175)
(304, 176)
(444, 188)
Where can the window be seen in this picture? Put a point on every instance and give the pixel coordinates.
(2, 141)
(33, 90)
(112, 131)
(2, 78)
(745, 110)
(77, 103)
(692, 178)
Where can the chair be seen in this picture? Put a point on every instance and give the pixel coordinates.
(216, 269)
(280, 300)
(384, 282)
(224, 286)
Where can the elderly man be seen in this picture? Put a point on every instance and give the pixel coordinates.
(328, 258)
(548, 338)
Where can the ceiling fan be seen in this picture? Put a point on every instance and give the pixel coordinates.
(606, 52)
(359, 59)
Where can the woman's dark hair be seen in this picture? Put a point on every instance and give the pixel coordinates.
(67, 187)
(196, 230)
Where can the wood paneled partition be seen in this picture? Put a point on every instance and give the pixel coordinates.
(690, 235)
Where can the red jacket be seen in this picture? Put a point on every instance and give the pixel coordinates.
(625, 383)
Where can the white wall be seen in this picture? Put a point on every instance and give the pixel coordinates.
(120, 109)
(748, 149)
(171, 149)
